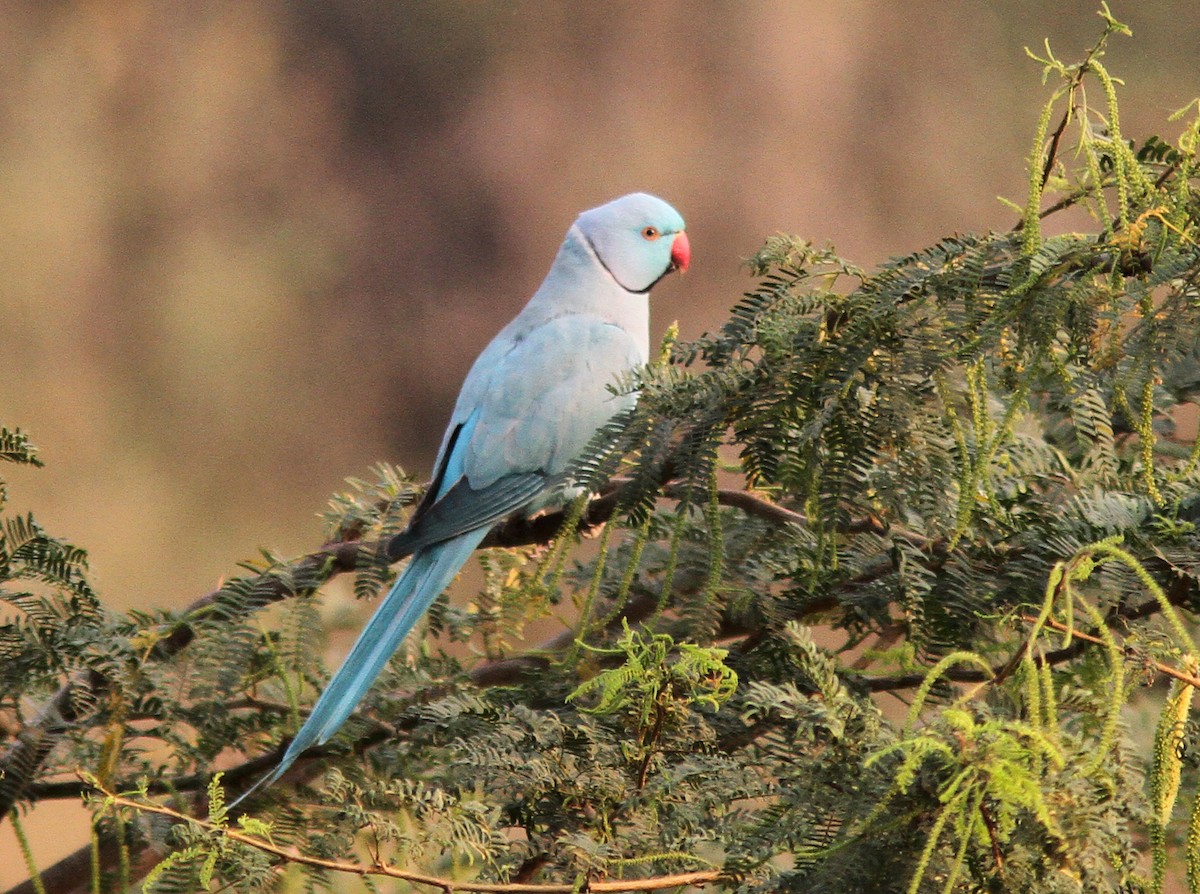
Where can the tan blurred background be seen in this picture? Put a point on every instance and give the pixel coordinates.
(248, 248)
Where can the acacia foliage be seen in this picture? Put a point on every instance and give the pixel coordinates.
(978, 447)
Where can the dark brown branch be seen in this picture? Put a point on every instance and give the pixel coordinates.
(1162, 178)
(1055, 138)
(990, 823)
(73, 873)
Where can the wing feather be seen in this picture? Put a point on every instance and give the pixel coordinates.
(523, 415)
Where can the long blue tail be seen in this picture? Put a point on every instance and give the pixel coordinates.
(429, 572)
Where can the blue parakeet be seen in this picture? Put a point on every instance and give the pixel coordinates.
(530, 404)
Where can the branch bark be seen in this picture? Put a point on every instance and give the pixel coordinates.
(291, 855)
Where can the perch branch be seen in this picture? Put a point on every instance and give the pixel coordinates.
(20, 764)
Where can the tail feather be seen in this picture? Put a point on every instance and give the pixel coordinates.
(429, 572)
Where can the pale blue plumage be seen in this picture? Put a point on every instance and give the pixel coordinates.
(528, 407)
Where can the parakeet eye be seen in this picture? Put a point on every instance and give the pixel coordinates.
(650, 233)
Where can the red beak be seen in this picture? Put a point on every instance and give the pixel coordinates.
(681, 253)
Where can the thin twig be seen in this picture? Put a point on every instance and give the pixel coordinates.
(293, 855)
(1182, 676)
(1052, 151)
(990, 824)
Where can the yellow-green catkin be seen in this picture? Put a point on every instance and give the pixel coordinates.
(1165, 774)
(1193, 849)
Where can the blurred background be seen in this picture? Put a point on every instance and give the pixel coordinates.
(249, 248)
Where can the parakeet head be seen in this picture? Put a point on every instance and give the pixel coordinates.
(638, 239)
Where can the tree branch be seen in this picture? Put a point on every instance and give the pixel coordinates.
(24, 758)
(292, 855)
(1181, 676)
